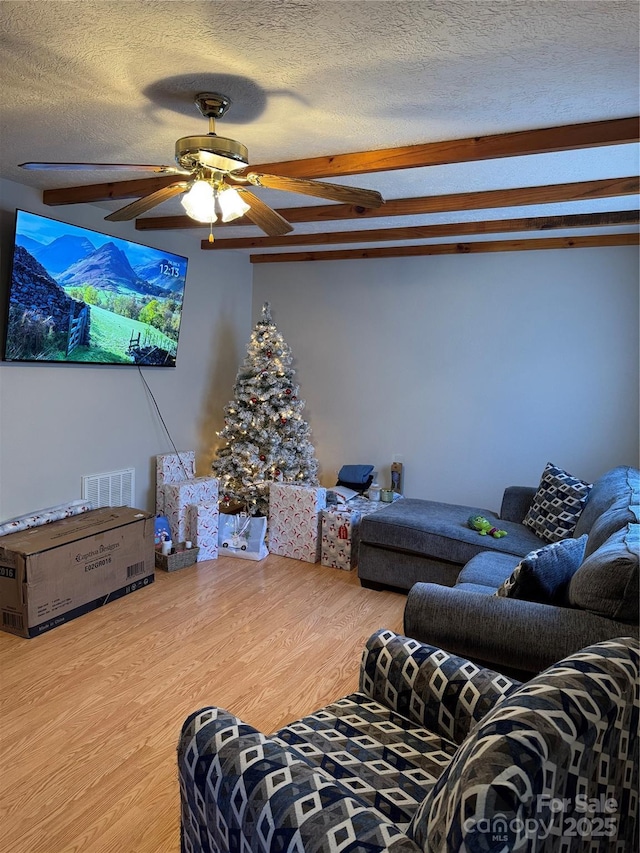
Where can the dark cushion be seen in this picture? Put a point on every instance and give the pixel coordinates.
(358, 478)
(516, 502)
(622, 482)
(355, 473)
(544, 575)
(489, 569)
(613, 519)
(557, 504)
(360, 488)
(607, 582)
(475, 587)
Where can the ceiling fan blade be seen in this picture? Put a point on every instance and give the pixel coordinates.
(97, 167)
(334, 192)
(264, 216)
(145, 203)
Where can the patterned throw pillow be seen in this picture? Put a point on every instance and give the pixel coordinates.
(557, 504)
(544, 575)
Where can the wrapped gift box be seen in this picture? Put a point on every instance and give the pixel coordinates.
(204, 529)
(45, 516)
(179, 497)
(294, 520)
(341, 532)
(173, 468)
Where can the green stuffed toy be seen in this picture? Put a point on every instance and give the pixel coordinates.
(480, 523)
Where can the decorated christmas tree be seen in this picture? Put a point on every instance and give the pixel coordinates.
(265, 437)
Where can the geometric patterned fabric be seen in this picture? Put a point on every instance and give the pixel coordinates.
(557, 504)
(433, 753)
(379, 756)
(243, 791)
(553, 768)
(444, 693)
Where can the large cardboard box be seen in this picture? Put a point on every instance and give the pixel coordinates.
(54, 573)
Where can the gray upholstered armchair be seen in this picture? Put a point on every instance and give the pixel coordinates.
(433, 753)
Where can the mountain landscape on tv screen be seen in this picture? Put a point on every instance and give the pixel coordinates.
(99, 301)
(56, 256)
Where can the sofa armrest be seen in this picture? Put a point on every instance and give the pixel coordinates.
(444, 693)
(504, 632)
(241, 790)
(516, 501)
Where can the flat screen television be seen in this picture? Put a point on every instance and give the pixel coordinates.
(79, 296)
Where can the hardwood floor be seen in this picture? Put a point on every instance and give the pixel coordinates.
(91, 711)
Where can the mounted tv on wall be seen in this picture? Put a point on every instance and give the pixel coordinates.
(78, 296)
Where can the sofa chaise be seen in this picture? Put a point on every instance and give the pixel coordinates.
(593, 599)
(414, 540)
(433, 753)
(454, 575)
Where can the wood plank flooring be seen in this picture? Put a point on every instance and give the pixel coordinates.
(91, 711)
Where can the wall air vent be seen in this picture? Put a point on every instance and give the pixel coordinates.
(116, 488)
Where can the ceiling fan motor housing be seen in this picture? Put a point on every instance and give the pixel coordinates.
(226, 154)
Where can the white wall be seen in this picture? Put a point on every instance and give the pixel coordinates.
(478, 370)
(59, 422)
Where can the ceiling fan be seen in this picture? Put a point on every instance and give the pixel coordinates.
(215, 171)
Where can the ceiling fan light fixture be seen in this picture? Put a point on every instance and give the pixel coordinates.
(214, 152)
(200, 202)
(232, 206)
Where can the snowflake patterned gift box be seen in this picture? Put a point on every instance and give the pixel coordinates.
(341, 532)
(178, 497)
(173, 468)
(204, 529)
(294, 520)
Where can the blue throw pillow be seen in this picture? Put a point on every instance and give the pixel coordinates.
(544, 575)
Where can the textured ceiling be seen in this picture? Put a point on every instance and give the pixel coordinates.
(115, 81)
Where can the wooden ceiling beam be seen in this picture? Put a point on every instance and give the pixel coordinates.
(105, 192)
(540, 141)
(579, 191)
(421, 232)
(479, 247)
(524, 142)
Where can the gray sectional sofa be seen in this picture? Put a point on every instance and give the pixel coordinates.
(453, 574)
(416, 540)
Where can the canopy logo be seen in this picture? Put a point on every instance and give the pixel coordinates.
(561, 817)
